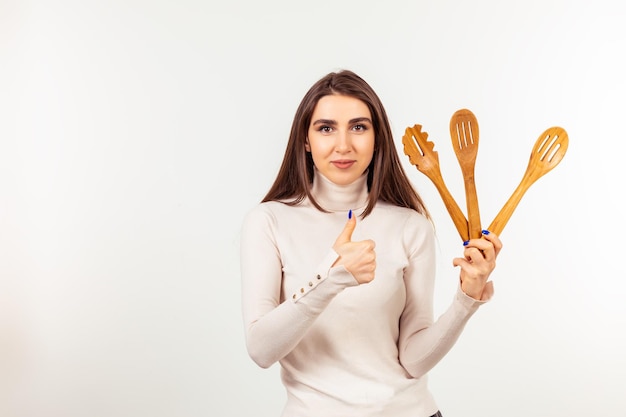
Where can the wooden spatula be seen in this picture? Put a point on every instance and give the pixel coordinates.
(426, 160)
(464, 135)
(548, 151)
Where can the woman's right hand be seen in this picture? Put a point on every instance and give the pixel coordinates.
(358, 258)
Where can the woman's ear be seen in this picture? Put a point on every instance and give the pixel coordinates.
(307, 147)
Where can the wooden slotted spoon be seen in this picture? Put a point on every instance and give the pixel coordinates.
(421, 154)
(464, 135)
(548, 151)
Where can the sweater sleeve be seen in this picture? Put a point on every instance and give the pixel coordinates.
(423, 342)
(273, 327)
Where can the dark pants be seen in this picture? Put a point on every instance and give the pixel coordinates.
(437, 414)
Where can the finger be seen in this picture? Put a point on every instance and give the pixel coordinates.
(462, 262)
(494, 239)
(346, 234)
(485, 246)
(474, 255)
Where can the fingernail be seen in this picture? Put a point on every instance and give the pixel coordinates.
(350, 214)
(485, 232)
(466, 243)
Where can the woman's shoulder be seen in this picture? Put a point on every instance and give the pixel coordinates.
(267, 211)
(264, 210)
(412, 225)
(402, 213)
(259, 219)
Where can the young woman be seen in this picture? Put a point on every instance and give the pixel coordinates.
(338, 266)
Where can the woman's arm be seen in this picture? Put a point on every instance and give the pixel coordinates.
(424, 342)
(274, 327)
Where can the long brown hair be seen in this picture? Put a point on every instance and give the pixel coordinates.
(386, 179)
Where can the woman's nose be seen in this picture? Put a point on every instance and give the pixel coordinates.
(342, 143)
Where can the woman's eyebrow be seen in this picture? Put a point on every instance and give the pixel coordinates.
(360, 119)
(334, 122)
(324, 122)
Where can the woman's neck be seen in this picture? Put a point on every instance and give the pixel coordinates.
(334, 197)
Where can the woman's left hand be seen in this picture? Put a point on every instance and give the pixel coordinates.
(477, 265)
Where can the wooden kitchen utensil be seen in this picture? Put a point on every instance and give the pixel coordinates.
(548, 151)
(421, 154)
(464, 135)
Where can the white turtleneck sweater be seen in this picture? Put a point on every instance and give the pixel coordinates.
(345, 349)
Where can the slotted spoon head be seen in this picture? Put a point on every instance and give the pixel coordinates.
(464, 134)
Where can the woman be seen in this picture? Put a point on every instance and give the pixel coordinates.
(346, 305)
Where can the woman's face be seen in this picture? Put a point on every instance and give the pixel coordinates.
(341, 138)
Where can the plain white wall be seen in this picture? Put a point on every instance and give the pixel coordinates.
(134, 135)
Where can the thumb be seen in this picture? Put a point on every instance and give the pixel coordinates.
(346, 233)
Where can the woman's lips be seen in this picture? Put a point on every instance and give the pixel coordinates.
(343, 164)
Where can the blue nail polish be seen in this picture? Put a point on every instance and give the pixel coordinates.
(350, 214)
(466, 243)
(485, 232)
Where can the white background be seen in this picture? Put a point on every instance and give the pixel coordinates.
(134, 135)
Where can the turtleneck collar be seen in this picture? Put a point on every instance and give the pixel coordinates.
(333, 197)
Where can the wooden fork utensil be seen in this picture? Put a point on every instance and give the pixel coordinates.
(548, 151)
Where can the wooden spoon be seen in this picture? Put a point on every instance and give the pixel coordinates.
(464, 134)
(548, 151)
(421, 154)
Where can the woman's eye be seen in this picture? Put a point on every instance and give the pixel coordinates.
(325, 129)
(360, 128)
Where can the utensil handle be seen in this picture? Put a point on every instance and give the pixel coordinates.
(503, 216)
(458, 218)
(473, 213)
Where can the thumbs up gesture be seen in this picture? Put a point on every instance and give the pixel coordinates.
(358, 258)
